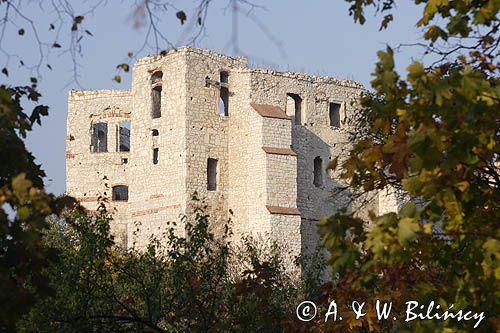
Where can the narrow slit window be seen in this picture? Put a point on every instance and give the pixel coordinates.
(224, 102)
(124, 137)
(120, 193)
(224, 77)
(156, 155)
(294, 107)
(334, 112)
(99, 137)
(211, 174)
(156, 102)
(318, 172)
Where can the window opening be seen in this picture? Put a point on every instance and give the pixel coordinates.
(211, 174)
(156, 77)
(156, 153)
(120, 193)
(124, 137)
(318, 172)
(224, 77)
(99, 137)
(334, 113)
(224, 102)
(294, 107)
(156, 102)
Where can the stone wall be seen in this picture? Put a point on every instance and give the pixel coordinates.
(312, 137)
(264, 146)
(158, 191)
(91, 175)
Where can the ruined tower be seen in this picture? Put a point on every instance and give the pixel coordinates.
(253, 141)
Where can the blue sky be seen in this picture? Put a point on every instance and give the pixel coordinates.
(317, 37)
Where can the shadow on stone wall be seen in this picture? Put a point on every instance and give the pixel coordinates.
(316, 202)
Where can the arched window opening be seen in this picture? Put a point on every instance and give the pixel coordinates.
(155, 132)
(120, 193)
(156, 77)
(334, 113)
(124, 136)
(99, 137)
(211, 174)
(318, 172)
(294, 107)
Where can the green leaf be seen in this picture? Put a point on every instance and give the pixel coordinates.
(124, 67)
(407, 230)
(415, 70)
(434, 32)
(409, 209)
(333, 164)
(20, 184)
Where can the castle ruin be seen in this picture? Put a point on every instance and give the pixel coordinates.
(252, 141)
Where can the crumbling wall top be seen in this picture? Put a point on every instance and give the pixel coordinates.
(308, 78)
(78, 95)
(237, 61)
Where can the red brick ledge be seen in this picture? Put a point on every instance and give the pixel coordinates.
(269, 111)
(87, 199)
(283, 210)
(279, 151)
(154, 210)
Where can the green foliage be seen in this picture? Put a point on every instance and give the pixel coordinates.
(194, 283)
(435, 136)
(24, 206)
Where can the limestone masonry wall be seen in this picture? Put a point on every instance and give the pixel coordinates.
(251, 141)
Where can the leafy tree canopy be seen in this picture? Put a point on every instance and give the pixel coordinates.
(434, 135)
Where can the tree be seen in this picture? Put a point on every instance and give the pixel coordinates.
(24, 206)
(435, 136)
(196, 283)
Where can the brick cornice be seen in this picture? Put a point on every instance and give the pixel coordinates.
(88, 199)
(279, 151)
(283, 210)
(154, 210)
(269, 111)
